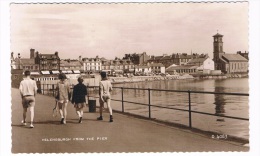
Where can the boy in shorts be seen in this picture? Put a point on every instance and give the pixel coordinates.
(28, 91)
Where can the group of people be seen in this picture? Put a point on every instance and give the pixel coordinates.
(28, 91)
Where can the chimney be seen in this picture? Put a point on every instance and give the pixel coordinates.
(56, 53)
(32, 53)
(80, 58)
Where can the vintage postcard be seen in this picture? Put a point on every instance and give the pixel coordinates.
(130, 77)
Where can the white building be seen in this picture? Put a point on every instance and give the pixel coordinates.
(204, 65)
(92, 64)
(157, 68)
(143, 69)
(196, 65)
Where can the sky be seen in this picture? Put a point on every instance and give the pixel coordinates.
(112, 30)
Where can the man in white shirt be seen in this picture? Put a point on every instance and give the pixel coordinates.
(28, 90)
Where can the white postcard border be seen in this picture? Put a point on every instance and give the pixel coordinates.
(254, 48)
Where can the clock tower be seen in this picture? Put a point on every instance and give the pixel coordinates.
(217, 49)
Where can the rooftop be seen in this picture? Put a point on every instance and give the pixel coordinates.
(218, 35)
(26, 61)
(70, 63)
(181, 67)
(156, 65)
(197, 60)
(234, 57)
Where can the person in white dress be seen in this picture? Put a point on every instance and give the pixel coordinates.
(63, 97)
(105, 87)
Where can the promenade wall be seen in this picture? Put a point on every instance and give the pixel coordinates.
(148, 78)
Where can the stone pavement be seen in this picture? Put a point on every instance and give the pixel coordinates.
(125, 134)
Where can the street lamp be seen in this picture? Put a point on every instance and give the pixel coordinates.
(19, 61)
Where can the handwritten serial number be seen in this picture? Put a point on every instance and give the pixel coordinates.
(219, 136)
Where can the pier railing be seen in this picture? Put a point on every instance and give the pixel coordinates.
(188, 92)
(47, 89)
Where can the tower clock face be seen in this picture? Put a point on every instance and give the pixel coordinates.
(216, 39)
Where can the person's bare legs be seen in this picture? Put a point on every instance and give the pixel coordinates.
(32, 116)
(60, 109)
(61, 112)
(24, 116)
(101, 103)
(65, 111)
(80, 113)
(101, 108)
(110, 109)
(109, 106)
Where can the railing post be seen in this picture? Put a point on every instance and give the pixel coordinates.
(149, 102)
(190, 125)
(43, 89)
(122, 91)
(53, 90)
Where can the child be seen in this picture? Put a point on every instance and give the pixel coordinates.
(79, 98)
(63, 90)
(105, 87)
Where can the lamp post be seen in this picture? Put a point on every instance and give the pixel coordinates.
(19, 61)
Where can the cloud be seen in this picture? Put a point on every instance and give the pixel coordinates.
(114, 29)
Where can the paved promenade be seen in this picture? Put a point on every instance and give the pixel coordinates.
(125, 134)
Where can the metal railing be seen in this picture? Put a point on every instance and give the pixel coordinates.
(94, 93)
(189, 92)
(50, 89)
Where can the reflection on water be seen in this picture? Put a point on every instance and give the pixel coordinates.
(219, 101)
(218, 104)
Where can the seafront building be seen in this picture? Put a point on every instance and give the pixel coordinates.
(142, 70)
(118, 66)
(71, 66)
(203, 65)
(92, 65)
(177, 59)
(47, 66)
(222, 63)
(227, 63)
(37, 63)
(24, 64)
(137, 59)
(245, 54)
(42, 66)
(46, 62)
(157, 68)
